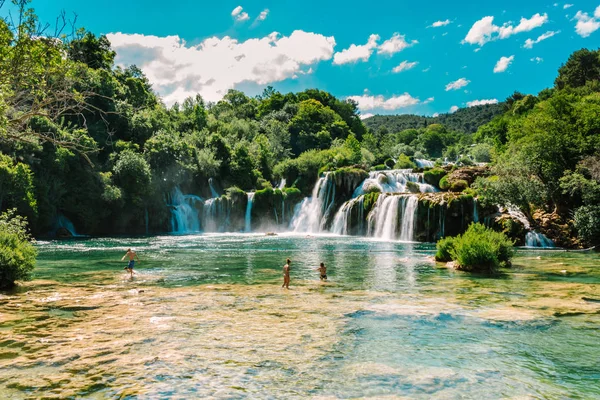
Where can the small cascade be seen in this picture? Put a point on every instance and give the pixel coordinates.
(184, 212)
(248, 217)
(215, 217)
(409, 218)
(536, 239)
(63, 223)
(312, 213)
(342, 222)
(393, 181)
(282, 184)
(475, 212)
(213, 192)
(394, 214)
(421, 163)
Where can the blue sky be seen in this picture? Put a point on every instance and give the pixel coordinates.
(393, 57)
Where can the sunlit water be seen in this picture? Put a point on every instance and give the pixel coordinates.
(206, 317)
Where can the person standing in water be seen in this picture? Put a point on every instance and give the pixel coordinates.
(323, 271)
(131, 254)
(286, 274)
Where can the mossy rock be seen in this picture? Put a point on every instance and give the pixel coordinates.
(444, 183)
(459, 185)
(413, 187)
(434, 175)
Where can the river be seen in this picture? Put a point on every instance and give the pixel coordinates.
(205, 316)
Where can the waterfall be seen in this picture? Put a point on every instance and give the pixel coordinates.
(342, 222)
(424, 163)
(475, 212)
(281, 184)
(213, 192)
(409, 218)
(393, 213)
(393, 181)
(184, 214)
(536, 239)
(65, 223)
(248, 218)
(313, 212)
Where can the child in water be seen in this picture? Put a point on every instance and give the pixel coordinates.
(323, 270)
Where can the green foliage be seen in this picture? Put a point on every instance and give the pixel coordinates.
(17, 253)
(444, 249)
(583, 66)
(16, 187)
(464, 120)
(404, 162)
(369, 201)
(133, 175)
(587, 223)
(479, 249)
(482, 152)
(434, 175)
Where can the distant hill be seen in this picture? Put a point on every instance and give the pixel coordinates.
(466, 120)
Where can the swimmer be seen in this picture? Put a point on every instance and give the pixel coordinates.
(323, 271)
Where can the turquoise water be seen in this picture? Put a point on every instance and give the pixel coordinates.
(205, 317)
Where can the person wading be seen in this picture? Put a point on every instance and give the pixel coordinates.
(286, 274)
(131, 254)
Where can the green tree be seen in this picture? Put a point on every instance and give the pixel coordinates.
(582, 66)
(17, 253)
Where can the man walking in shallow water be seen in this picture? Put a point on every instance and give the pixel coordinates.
(286, 274)
(131, 254)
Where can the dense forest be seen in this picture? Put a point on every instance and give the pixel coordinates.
(466, 120)
(91, 141)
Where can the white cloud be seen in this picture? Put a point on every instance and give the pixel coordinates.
(367, 115)
(238, 15)
(503, 64)
(435, 115)
(481, 102)
(567, 6)
(438, 24)
(429, 100)
(427, 69)
(457, 84)
(536, 60)
(216, 65)
(587, 25)
(263, 15)
(366, 102)
(405, 66)
(395, 44)
(530, 42)
(354, 53)
(453, 109)
(484, 30)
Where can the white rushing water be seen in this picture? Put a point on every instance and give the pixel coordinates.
(213, 191)
(393, 181)
(475, 212)
(184, 214)
(282, 184)
(311, 215)
(536, 239)
(343, 218)
(394, 217)
(248, 217)
(421, 163)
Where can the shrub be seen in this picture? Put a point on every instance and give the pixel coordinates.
(459, 185)
(379, 167)
(466, 161)
(587, 223)
(433, 176)
(444, 184)
(479, 249)
(404, 162)
(444, 247)
(17, 253)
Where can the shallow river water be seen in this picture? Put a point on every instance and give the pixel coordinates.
(205, 316)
